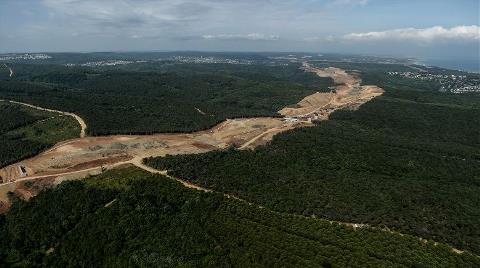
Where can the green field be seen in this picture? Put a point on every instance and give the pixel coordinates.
(129, 218)
(25, 132)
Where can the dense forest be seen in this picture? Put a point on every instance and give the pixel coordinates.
(409, 161)
(25, 132)
(129, 218)
(167, 98)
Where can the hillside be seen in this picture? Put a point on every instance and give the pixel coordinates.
(408, 160)
(351, 178)
(25, 131)
(131, 218)
(163, 98)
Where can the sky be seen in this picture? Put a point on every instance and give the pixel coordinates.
(406, 28)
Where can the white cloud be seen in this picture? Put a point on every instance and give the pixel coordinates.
(130, 17)
(189, 19)
(168, 19)
(251, 36)
(308, 25)
(421, 35)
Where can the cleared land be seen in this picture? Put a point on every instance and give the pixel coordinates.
(79, 158)
(408, 160)
(346, 93)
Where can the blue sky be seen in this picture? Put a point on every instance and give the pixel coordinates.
(420, 28)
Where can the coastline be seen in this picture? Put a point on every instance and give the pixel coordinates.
(464, 65)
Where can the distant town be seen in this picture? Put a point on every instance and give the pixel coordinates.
(454, 82)
(180, 59)
(26, 56)
(204, 59)
(448, 82)
(105, 63)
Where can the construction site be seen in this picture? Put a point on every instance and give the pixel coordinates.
(86, 156)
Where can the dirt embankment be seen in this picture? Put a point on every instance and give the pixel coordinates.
(78, 158)
(347, 92)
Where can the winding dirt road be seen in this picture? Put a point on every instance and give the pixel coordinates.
(81, 122)
(10, 69)
(78, 158)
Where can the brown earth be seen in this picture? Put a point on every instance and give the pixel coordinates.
(78, 158)
(347, 92)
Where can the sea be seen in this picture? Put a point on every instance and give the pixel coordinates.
(468, 65)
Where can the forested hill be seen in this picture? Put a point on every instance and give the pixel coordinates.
(181, 98)
(129, 218)
(409, 161)
(25, 131)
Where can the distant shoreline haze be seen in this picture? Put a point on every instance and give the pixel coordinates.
(469, 65)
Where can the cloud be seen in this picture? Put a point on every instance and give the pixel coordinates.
(251, 36)
(168, 19)
(419, 35)
(286, 25)
(128, 12)
(171, 20)
(328, 38)
(127, 17)
(349, 2)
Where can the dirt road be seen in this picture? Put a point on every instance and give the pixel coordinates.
(83, 125)
(138, 163)
(200, 111)
(81, 157)
(10, 69)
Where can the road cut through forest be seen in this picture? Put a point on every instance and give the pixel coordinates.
(85, 156)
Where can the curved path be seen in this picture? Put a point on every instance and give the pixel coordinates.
(81, 122)
(355, 226)
(10, 69)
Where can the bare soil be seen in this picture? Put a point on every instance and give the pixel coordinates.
(78, 158)
(347, 93)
